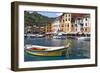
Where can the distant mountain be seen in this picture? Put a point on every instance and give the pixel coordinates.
(34, 18)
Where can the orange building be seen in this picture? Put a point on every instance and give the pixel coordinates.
(48, 28)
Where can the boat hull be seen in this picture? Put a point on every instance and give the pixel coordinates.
(47, 53)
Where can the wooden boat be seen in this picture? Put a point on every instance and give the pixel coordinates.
(46, 51)
(83, 38)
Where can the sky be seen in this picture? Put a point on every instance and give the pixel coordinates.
(49, 14)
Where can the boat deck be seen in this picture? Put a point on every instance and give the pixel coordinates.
(46, 48)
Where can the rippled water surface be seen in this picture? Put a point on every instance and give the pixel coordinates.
(80, 48)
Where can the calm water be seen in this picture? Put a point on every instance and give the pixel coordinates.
(80, 48)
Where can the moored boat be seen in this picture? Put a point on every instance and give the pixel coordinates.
(34, 35)
(83, 38)
(46, 51)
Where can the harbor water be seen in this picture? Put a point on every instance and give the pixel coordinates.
(80, 49)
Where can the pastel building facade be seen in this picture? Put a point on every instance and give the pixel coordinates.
(80, 23)
(48, 28)
(65, 25)
(87, 22)
(70, 23)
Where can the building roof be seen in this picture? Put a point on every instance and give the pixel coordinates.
(75, 15)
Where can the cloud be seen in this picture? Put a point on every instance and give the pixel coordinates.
(51, 14)
(30, 12)
(59, 14)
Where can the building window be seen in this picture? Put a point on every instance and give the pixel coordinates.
(78, 18)
(85, 29)
(63, 20)
(72, 25)
(75, 25)
(81, 24)
(68, 19)
(72, 19)
(67, 25)
(85, 24)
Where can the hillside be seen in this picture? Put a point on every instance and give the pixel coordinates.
(34, 18)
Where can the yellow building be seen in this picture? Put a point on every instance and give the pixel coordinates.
(65, 23)
(48, 28)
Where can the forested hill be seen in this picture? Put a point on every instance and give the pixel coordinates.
(34, 18)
